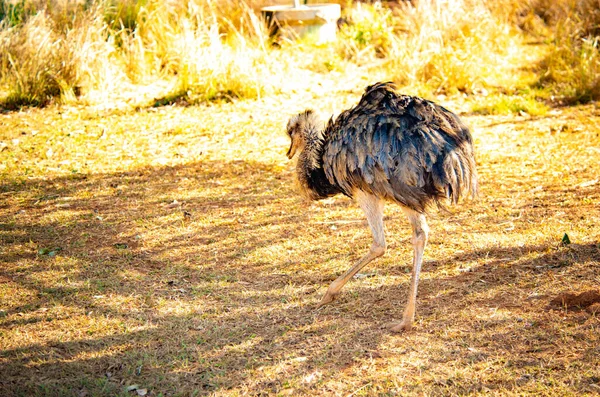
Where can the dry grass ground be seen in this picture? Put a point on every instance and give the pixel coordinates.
(165, 250)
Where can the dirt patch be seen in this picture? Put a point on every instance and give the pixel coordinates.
(589, 300)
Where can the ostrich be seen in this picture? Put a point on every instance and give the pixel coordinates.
(389, 147)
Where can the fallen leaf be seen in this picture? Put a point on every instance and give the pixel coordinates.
(589, 183)
(132, 387)
(49, 251)
(310, 378)
(360, 276)
(174, 204)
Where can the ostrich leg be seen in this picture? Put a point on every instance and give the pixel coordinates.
(373, 208)
(420, 231)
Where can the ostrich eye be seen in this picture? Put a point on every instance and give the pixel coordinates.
(293, 125)
(291, 128)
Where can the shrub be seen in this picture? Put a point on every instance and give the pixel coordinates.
(572, 67)
(367, 32)
(14, 13)
(35, 64)
(188, 42)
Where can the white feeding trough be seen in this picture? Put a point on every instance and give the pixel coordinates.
(316, 22)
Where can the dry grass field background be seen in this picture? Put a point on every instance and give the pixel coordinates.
(152, 241)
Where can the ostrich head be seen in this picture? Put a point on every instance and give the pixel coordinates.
(305, 131)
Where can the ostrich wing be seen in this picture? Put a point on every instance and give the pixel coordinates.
(401, 148)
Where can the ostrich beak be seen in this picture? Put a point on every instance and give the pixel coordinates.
(292, 151)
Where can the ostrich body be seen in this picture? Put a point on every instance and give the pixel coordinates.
(390, 147)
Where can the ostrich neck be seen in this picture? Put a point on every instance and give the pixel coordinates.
(311, 175)
(310, 157)
(305, 172)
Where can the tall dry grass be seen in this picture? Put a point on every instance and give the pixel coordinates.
(33, 61)
(436, 46)
(210, 56)
(50, 55)
(571, 70)
(453, 46)
(38, 63)
(368, 32)
(210, 50)
(56, 54)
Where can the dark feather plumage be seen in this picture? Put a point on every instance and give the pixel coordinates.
(397, 147)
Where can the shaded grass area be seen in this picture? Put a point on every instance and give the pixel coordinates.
(188, 265)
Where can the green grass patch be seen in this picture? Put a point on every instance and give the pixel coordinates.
(14, 13)
(508, 104)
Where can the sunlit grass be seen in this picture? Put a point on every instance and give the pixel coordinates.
(367, 32)
(36, 65)
(134, 43)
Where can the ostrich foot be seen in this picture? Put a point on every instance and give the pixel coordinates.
(327, 299)
(400, 326)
